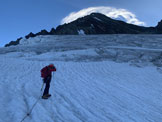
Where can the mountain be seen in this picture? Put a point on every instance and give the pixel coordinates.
(97, 23)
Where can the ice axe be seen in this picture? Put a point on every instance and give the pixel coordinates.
(42, 86)
(29, 113)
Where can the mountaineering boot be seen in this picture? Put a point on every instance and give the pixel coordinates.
(48, 95)
(44, 97)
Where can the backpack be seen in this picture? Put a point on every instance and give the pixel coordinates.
(44, 72)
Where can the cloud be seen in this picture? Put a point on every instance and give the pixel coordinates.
(120, 14)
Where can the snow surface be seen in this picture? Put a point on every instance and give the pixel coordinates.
(81, 32)
(139, 50)
(94, 89)
(92, 25)
(98, 19)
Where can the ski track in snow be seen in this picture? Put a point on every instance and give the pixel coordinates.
(81, 92)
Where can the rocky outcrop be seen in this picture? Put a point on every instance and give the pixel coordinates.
(14, 42)
(159, 27)
(42, 32)
(30, 35)
(52, 32)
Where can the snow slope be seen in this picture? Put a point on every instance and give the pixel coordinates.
(82, 90)
(135, 49)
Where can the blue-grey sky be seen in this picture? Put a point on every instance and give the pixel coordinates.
(19, 17)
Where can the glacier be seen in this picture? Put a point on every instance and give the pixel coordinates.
(99, 78)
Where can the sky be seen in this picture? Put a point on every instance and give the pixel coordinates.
(20, 17)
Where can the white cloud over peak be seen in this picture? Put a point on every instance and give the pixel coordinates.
(114, 13)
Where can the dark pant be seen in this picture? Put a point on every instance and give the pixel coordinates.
(47, 81)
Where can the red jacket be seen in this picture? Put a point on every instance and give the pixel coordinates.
(47, 71)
